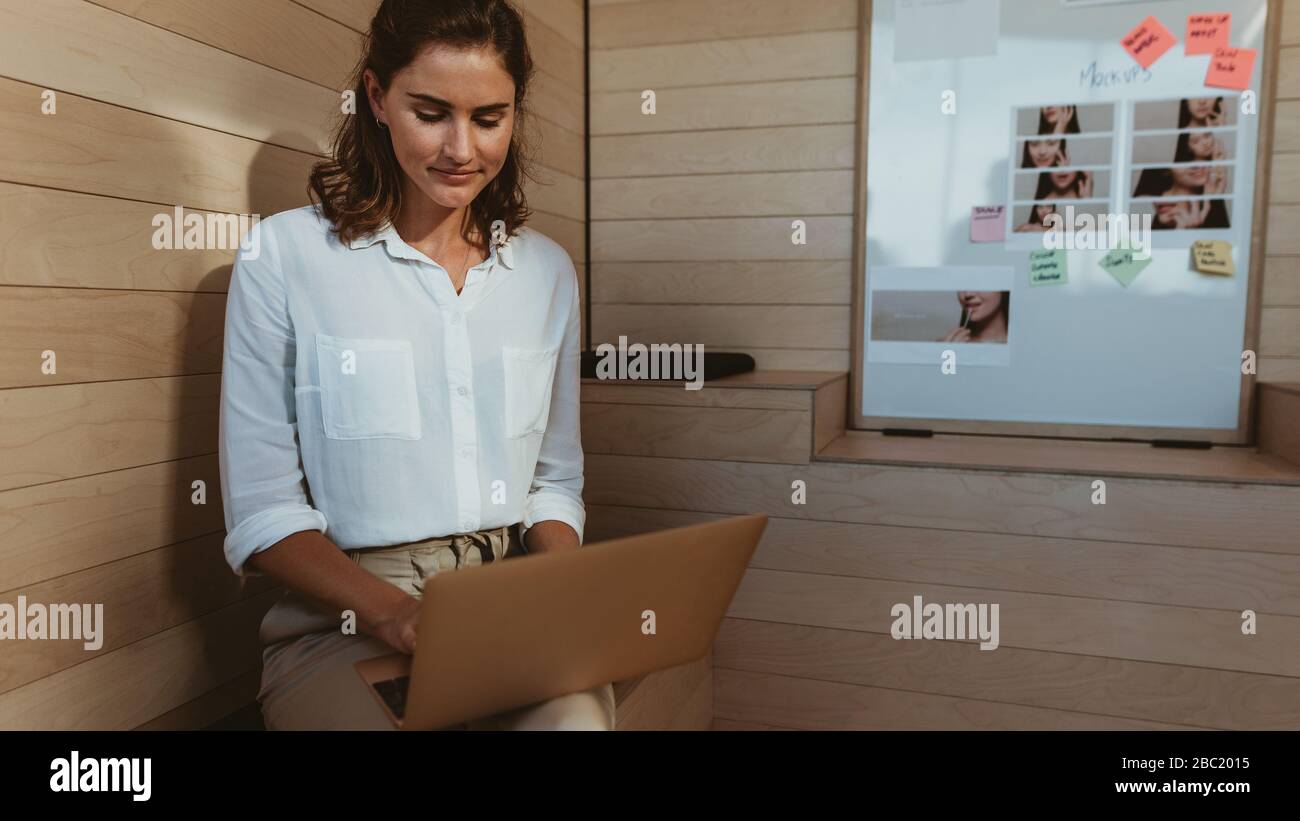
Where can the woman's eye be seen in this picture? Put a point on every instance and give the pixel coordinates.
(486, 124)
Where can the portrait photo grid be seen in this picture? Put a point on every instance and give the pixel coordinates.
(1179, 168)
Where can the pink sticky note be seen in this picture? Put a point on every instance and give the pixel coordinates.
(988, 223)
(1231, 68)
(1207, 32)
(1148, 41)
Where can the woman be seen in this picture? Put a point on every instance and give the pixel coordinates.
(393, 376)
(1199, 147)
(1200, 112)
(1182, 181)
(1058, 119)
(984, 317)
(1044, 154)
(1037, 221)
(1064, 185)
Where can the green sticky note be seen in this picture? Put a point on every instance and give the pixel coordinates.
(1125, 265)
(1048, 267)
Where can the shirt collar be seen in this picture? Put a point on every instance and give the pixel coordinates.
(397, 247)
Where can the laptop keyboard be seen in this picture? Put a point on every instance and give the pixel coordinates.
(393, 692)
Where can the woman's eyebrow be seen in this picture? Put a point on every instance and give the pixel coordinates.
(438, 101)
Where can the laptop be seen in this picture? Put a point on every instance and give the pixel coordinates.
(510, 633)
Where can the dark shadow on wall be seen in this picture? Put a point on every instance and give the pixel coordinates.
(229, 649)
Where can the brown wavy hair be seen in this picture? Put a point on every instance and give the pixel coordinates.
(359, 186)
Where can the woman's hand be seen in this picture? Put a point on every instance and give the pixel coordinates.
(1191, 214)
(1218, 180)
(398, 625)
(1067, 114)
(1085, 185)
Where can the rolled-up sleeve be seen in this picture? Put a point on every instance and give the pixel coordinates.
(556, 490)
(263, 487)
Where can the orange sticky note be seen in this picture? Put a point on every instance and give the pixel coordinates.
(1148, 41)
(1231, 68)
(1207, 32)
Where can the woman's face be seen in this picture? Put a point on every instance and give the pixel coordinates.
(1201, 145)
(1044, 211)
(1063, 179)
(450, 114)
(980, 305)
(1043, 152)
(1191, 176)
(1201, 107)
(1055, 115)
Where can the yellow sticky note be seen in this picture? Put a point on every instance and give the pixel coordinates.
(1213, 256)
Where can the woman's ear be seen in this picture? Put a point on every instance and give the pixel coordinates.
(374, 94)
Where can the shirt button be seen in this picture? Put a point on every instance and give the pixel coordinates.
(466, 525)
(461, 390)
(455, 319)
(465, 451)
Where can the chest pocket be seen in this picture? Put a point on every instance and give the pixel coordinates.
(368, 388)
(529, 375)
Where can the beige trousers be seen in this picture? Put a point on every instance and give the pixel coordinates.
(309, 683)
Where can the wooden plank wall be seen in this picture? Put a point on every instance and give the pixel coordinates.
(213, 107)
(754, 128)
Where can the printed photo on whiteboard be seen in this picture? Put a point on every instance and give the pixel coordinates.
(1077, 217)
(1062, 185)
(1031, 218)
(914, 315)
(1184, 162)
(1186, 215)
(1182, 181)
(1187, 146)
(972, 317)
(1191, 112)
(1060, 152)
(1065, 119)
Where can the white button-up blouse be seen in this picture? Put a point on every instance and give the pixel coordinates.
(363, 397)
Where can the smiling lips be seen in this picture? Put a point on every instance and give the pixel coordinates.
(454, 177)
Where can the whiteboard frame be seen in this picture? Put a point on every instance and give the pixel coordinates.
(1243, 434)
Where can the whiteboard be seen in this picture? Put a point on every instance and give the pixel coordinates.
(1162, 352)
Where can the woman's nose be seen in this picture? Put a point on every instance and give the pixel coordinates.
(459, 146)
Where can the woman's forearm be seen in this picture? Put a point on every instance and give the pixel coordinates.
(309, 563)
